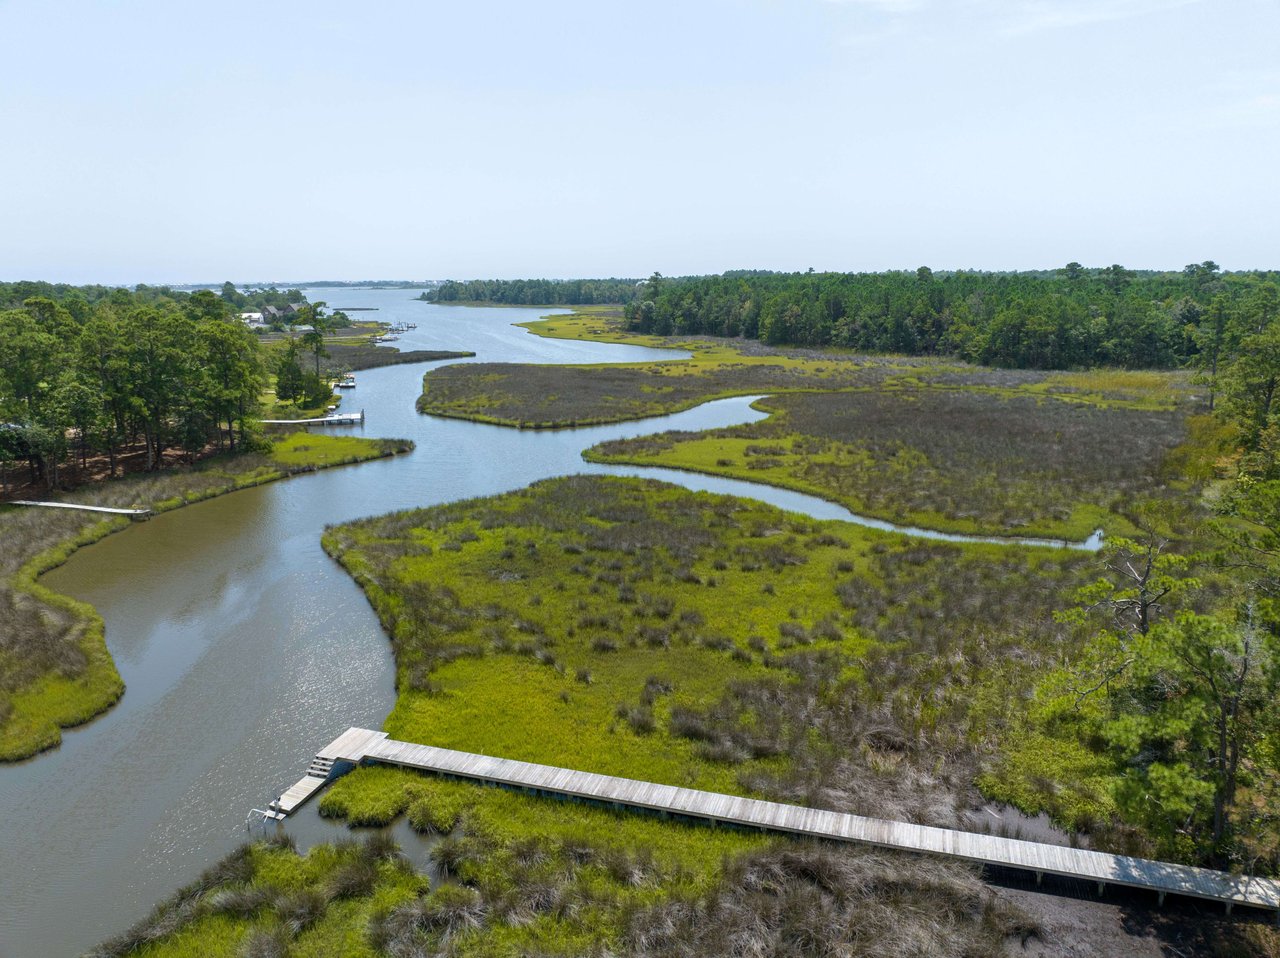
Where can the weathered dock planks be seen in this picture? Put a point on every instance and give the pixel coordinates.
(132, 513)
(352, 745)
(363, 745)
(298, 793)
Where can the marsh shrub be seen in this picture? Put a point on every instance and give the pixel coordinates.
(720, 643)
(795, 632)
(654, 636)
(814, 899)
(265, 943)
(411, 928)
(238, 902)
(827, 539)
(300, 910)
(1001, 461)
(352, 879)
(654, 687)
(639, 717)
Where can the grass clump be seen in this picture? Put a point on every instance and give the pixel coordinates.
(971, 460)
(55, 669)
(879, 689)
(266, 899)
(521, 875)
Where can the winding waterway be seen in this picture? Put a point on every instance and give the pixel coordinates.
(244, 647)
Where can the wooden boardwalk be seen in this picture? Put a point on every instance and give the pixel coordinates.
(343, 753)
(131, 513)
(362, 745)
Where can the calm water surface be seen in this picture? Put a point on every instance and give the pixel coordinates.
(245, 648)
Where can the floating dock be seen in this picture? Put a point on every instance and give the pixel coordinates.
(131, 513)
(361, 746)
(337, 419)
(338, 757)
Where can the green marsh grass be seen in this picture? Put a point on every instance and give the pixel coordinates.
(932, 443)
(964, 460)
(55, 669)
(267, 899)
(523, 875)
(729, 645)
(772, 655)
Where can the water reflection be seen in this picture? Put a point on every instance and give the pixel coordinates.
(244, 647)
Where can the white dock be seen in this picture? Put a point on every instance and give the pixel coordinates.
(131, 513)
(362, 745)
(337, 419)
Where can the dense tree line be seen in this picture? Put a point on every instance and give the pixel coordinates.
(96, 371)
(250, 300)
(14, 295)
(1179, 685)
(1073, 317)
(535, 292)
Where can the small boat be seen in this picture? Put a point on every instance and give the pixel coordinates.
(347, 382)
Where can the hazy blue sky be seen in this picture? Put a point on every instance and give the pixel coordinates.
(169, 142)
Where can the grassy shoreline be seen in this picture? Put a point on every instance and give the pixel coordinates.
(1075, 533)
(632, 627)
(888, 455)
(356, 358)
(85, 683)
(577, 423)
(679, 637)
(1061, 455)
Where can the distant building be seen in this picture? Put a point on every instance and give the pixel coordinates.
(281, 315)
(253, 320)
